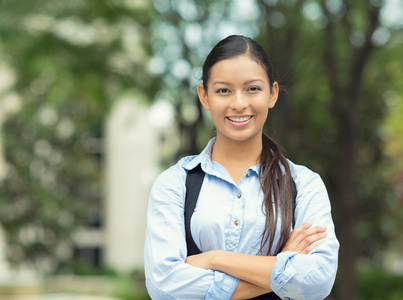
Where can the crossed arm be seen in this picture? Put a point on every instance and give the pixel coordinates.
(254, 271)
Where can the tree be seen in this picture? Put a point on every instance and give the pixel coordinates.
(71, 60)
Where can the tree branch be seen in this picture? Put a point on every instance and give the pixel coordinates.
(330, 61)
(361, 54)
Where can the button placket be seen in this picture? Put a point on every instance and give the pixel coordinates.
(236, 223)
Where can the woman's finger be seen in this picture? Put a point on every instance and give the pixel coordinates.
(302, 227)
(307, 233)
(303, 236)
(309, 240)
(310, 248)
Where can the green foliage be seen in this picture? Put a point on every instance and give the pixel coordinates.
(376, 284)
(51, 187)
(85, 268)
(70, 60)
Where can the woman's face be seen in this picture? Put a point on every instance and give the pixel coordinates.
(238, 97)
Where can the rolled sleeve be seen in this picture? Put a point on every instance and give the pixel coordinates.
(308, 276)
(303, 276)
(223, 286)
(282, 272)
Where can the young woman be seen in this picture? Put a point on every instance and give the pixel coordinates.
(243, 218)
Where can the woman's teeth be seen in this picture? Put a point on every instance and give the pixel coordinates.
(239, 119)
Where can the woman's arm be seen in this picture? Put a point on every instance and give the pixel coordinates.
(247, 290)
(167, 274)
(299, 276)
(257, 269)
(296, 274)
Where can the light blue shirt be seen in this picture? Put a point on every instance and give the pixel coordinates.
(228, 216)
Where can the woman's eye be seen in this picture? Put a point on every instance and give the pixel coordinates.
(222, 91)
(255, 89)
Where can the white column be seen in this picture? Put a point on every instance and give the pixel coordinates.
(131, 145)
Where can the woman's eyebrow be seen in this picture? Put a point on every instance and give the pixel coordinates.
(245, 83)
(253, 80)
(222, 82)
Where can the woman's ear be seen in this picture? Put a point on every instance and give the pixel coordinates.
(201, 92)
(273, 94)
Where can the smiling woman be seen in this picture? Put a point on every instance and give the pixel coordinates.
(238, 96)
(243, 223)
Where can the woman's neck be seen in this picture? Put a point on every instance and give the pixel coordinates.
(237, 157)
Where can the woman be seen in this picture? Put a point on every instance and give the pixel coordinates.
(244, 214)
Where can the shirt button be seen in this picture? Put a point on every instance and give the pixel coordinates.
(247, 175)
(239, 195)
(237, 222)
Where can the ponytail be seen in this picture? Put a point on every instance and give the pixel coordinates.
(276, 182)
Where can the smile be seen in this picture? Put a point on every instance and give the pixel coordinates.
(239, 119)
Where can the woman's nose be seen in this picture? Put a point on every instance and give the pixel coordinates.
(239, 102)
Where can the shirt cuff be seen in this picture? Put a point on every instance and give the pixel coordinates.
(282, 272)
(223, 286)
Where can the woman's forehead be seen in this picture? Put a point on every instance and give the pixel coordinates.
(238, 68)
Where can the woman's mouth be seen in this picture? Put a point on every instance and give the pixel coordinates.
(239, 121)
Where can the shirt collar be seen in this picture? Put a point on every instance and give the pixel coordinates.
(204, 158)
(207, 165)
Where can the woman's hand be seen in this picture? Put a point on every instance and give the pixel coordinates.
(303, 237)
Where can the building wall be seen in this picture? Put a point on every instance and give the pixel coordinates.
(131, 145)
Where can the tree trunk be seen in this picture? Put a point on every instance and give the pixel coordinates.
(347, 197)
(344, 103)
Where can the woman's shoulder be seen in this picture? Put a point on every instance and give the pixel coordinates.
(305, 177)
(299, 170)
(177, 172)
(169, 186)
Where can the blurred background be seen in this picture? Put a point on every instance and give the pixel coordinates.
(98, 97)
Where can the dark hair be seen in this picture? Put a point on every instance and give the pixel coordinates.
(275, 175)
(233, 46)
